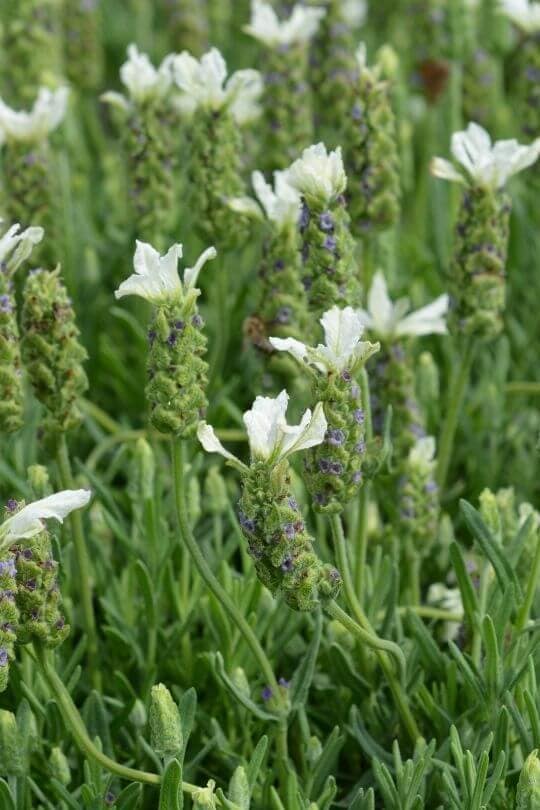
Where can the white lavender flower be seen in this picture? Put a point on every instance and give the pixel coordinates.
(271, 438)
(355, 12)
(29, 521)
(319, 174)
(156, 277)
(484, 163)
(525, 14)
(16, 245)
(47, 113)
(203, 83)
(141, 79)
(390, 320)
(439, 595)
(342, 348)
(266, 26)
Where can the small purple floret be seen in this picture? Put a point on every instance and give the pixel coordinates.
(11, 505)
(287, 565)
(4, 660)
(266, 693)
(326, 222)
(359, 416)
(330, 243)
(5, 304)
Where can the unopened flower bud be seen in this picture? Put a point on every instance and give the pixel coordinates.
(59, 766)
(165, 723)
(528, 789)
(12, 754)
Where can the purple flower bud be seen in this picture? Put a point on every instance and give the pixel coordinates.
(4, 660)
(197, 321)
(11, 505)
(8, 568)
(335, 437)
(360, 447)
(287, 565)
(336, 468)
(324, 465)
(292, 503)
(326, 221)
(320, 498)
(330, 243)
(283, 315)
(30, 585)
(284, 683)
(335, 575)
(359, 416)
(431, 486)
(27, 553)
(355, 391)
(7, 595)
(179, 325)
(357, 477)
(356, 112)
(60, 623)
(346, 375)
(305, 216)
(266, 693)
(173, 337)
(279, 264)
(5, 304)
(289, 531)
(151, 336)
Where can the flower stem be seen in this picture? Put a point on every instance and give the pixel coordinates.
(221, 595)
(361, 536)
(83, 565)
(363, 623)
(75, 724)
(458, 387)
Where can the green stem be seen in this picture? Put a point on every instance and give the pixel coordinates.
(532, 585)
(360, 546)
(458, 387)
(83, 565)
(363, 623)
(75, 724)
(221, 595)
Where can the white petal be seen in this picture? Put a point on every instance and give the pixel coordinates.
(297, 349)
(269, 29)
(47, 112)
(211, 443)
(343, 329)
(242, 94)
(380, 306)
(156, 277)
(191, 274)
(318, 173)
(141, 78)
(439, 167)
(281, 204)
(115, 99)
(429, 320)
(246, 207)
(422, 453)
(28, 521)
(264, 192)
(523, 13)
(309, 433)
(264, 423)
(201, 80)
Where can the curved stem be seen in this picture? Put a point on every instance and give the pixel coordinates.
(458, 387)
(75, 724)
(364, 623)
(221, 595)
(83, 564)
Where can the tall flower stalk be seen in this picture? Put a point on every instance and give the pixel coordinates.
(478, 269)
(525, 15)
(149, 123)
(287, 101)
(83, 50)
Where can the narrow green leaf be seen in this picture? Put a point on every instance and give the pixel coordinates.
(171, 796)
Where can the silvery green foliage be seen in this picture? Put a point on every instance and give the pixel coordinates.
(371, 153)
(52, 353)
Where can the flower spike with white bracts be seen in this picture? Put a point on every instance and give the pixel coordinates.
(203, 83)
(270, 438)
(156, 277)
(266, 26)
(523, 13)
(16, 245)
(342, 349)
(389, 320)
(47, 113)
(319, 174)
(29, 520)
(485, 164)
(141, 79)
(281, 204)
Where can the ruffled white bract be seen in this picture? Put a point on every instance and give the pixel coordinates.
(141, 79)
(523, 13)
(270, 438)
(484, 163)
(203, 83)
(156, 277)
(266, 26)
(29, 521)
(342, 349)
(319, 174)
(388, 320)
(422, 454)
(282, 203)
(354, 12)
(16, 245)
(48, 111)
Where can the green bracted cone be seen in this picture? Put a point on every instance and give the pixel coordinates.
(51, 350)
(527, 84)
(371, 155)
(333, 469)
(333, 69)
(150, 142)
(528, 789)
(214, 175)
(479, 262)
(177, 370)
(479, 87)
(9, 613)
(11, 382)
(187, 22)
(287, 105)
(37, 595)
(393, 384)
(329, 269)
(26, 171)
(82, 43)
(419, 508)
(33, 47)
(278, 540)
